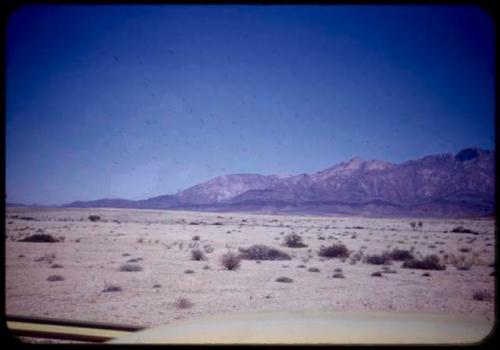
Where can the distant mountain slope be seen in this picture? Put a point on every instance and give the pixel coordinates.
(442, 185)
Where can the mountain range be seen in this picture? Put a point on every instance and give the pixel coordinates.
(442, 185)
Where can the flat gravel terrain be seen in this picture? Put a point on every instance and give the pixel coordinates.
(90, 255)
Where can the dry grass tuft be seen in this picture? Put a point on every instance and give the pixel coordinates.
(230, 261)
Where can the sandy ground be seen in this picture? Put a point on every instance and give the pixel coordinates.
(93, 252)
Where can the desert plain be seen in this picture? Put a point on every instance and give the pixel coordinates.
(96, 282)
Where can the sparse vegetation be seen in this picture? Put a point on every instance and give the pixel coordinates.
(461, 229)
(376, 274)
(401, 255)
(94, 218)
(130, 268)
(386, 269)
(55, 278)
(111, 288)
(338, 275)
(430, 262)
(482, 295)
(48, 257)
(197, 255)
(381, 259)
(196, 238)
(334, 251)
(230, 261)
(284, 279)
(40, 238)
(188, 271)
(183, 303)
(208, 248)
(313, 269)
(262, 252)
(294, 240)
(56, 266)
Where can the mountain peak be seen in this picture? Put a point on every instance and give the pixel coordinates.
(353, 163)
(470, 153)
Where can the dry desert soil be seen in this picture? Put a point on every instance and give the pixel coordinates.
(156, 247)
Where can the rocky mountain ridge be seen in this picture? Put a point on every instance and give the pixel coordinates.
(442, 185)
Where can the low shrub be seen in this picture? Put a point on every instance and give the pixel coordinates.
(482, 295)
(430, 262)
(401, 255)
(382, 259)
(461, 229)
(188, 271)
(196, 238)
(262, 252)
(294, 240)
(40, 238)
(49, 257)
(111, 288)
(386, 269)
(338, 275)
(183, 303)
(313, 269)
(284, 279)
(376, 274)
(230, 261)
(334, 251)
(130, 268)
(94, 218)
(197, 255)
(55, 278)
(462, 267)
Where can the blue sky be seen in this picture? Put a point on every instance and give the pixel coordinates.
(138, 101)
